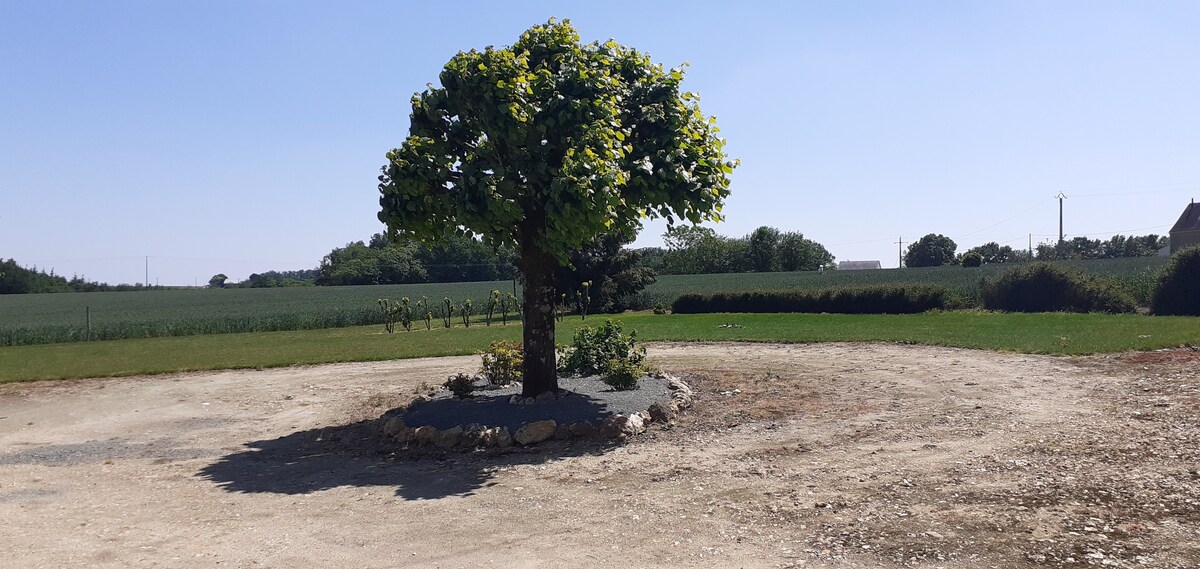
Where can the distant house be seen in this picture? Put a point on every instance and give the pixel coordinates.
(858, 265)
(1187, 229)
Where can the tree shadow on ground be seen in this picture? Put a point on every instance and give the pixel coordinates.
(358, 455)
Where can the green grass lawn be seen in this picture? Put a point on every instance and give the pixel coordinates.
(1066, 334)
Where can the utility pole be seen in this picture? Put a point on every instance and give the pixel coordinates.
(1060, 197)
(900, 252)
(147, 281)
(1030, 247)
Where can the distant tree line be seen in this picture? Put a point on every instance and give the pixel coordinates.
(269, 279)
(699, 250)
(378, 261)
(1117, 246)
(15, 279)
(934, 250)
(611, 272)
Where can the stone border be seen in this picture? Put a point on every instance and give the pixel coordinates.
(617, 427)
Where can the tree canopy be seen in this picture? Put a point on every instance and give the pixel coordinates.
(380, 261)
(554, 139)
(700, 250)
(933, 250)
(993, 253)
(545, 144)
(614, 273)
(1117, 246)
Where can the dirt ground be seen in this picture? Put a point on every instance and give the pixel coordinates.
(833, 455)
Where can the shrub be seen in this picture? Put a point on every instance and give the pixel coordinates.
(1041, 287)
(461, 385)
(502, 362)
(1178, 288)
(623, 375)
(448, 309)
(972, 259)
(592, 352)
(424, 312)
(389, 314)
(882, 299)
(660, 308)
(465, 311)
(493, 303)
(406, 314)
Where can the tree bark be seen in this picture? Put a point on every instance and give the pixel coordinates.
(540, 371)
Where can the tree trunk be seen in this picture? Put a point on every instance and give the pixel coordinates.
(538, 268)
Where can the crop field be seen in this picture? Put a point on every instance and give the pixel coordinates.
(1134, 275)
(53, 318)
(62, 317)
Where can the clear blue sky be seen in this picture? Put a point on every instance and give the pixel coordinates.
(239, 137)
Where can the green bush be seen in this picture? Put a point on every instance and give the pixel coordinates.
(972, 259)
(1178, 288)
(1042, 287)
(623, 375)
(883, 299)
(502, 362)
(592, 352)
(461, 385)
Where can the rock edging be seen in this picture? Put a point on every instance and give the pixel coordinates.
(618, 427)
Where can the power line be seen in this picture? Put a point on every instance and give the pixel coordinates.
(1121, 232)
(1000, 222)
(880, 240)
(1103, 192)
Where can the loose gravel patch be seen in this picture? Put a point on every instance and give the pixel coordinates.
(829, 455)
(583, 399)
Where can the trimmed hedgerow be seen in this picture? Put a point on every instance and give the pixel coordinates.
(1042, 287)
(884, 299)
(1178, 290)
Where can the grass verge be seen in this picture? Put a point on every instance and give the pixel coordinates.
(1063, 334)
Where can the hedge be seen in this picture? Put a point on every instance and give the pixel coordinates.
(1041, 287)
(881, 299)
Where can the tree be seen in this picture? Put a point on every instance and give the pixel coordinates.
(796, 253)
(15, 279)
(464, 258)
(992, 253)
(359, 264)
(217, 281)
(762, 248)
(933, 250)
(1117, 246)
(542, 145)
(614, 272)
(700, 251)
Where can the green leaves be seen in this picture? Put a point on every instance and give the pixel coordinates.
(590, 138)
